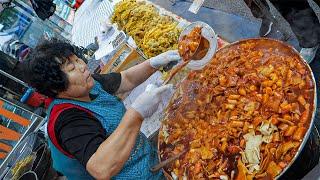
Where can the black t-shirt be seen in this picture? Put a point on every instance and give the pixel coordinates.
(80, 133)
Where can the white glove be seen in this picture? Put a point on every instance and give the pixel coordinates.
(147, 102)
(164, 59)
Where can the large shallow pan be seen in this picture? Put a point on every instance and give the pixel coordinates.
(282, 48)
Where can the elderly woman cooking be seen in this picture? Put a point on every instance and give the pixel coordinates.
(91, 133)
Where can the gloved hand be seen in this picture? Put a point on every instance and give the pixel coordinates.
(147, 102)
(164, 58)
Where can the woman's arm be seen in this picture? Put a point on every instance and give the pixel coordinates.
(136, 75)
(112, 154)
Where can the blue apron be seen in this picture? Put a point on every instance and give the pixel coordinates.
(109, 111)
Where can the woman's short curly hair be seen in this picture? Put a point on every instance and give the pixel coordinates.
(43, 67)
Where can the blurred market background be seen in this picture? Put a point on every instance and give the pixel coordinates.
(83, 23)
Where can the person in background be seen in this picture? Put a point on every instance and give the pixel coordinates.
(301, 17)
(5, 4)
(91, 133)
(43, 8)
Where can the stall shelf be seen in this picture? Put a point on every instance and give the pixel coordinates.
(16, 123)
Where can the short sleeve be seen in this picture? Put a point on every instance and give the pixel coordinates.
(110, 82)
(79, 133)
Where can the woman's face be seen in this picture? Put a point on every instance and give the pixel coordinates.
(80, 80)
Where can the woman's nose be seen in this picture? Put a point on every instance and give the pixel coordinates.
(82, 68)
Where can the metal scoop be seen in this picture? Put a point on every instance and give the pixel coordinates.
(199, 53)
(166, 162)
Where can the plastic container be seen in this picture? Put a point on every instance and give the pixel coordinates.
(30, 175)
(210, 35)
(33, 144)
